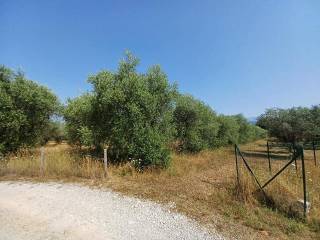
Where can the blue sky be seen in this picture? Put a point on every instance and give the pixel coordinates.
(237, 56)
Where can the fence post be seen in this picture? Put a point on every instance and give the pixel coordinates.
(304, 183)
(295, 159)
(314, 153)
(237, 167)
(42, 161)
(105, 160)
(268, 149)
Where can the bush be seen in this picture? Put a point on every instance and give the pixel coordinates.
(25, 110)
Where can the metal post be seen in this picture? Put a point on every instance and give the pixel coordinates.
(268, 150)
(105, 160)
(304, 184)
(42, 161)
(314, 153)
(237, 167)
(295, 158)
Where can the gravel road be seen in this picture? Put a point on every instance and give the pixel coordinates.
(54, 211)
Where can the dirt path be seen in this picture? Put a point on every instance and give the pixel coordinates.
(68, 211)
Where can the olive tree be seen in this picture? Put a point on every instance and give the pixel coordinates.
(229, 131)
(139, 115)
(291, 125)
(129, 111)
(54, 132)
(25, 110)
(78, 124)
(196, 123)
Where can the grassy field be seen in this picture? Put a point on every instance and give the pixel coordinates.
(203, 186)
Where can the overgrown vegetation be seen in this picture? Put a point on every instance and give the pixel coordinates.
(25, 110)
(292, 125)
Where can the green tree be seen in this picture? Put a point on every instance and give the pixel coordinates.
(228, 131)
(25, 110)
(54, 132)
(196, 124)
(237, 129)
(129, 111)
(248, 132)
(314, 132)
(290, 125)
(79, 118)
(139, 115)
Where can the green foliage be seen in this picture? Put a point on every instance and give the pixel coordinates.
(196, 124)
(85, 136)
(129, 111)
(139, 115)
(228, 131)
(314, 121)
(54, 132)
(78, 114)
(25, 110)
(199, 127)
(247, 131)
(292, 125)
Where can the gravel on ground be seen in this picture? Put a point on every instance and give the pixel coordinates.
(54, 211)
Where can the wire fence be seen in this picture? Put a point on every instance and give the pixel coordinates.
(294, 165)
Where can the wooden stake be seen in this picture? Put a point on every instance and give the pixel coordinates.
(42, 161)
(105, 160)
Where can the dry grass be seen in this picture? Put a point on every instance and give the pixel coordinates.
(202, 186)
(288, 186)
(60, 162)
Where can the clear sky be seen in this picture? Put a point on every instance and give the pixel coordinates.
(237, 56)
